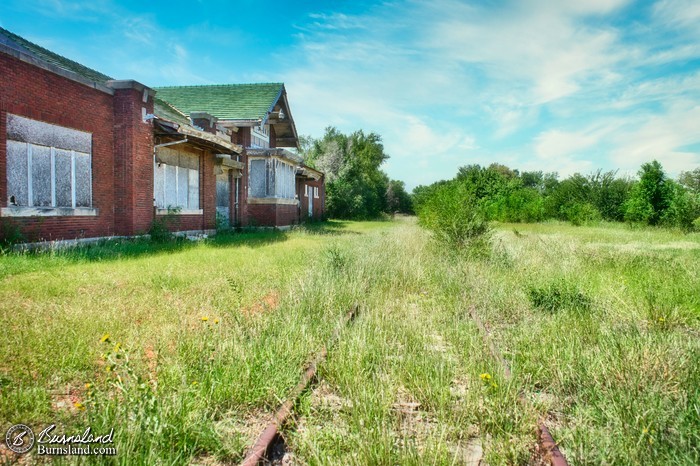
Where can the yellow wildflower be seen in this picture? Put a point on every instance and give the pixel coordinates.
(205, 318)
(661, 320)
(104, 338)
(79, 405)
(195, 383)
(494, 385)
(88, 385)
(117, 347)
(485, 376)
(216, 321)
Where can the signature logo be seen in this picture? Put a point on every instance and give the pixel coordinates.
(19, 438)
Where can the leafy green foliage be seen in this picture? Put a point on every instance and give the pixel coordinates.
(356, 188)
(506, 195)
(651, 196)
(162, 226)
(453, 215)
(10, 234)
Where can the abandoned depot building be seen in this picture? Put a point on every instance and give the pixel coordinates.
(85, 156)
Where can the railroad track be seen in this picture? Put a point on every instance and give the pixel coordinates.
(548, 447)
(261, 451)
(263, 446)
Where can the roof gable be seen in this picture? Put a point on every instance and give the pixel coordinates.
(225, 101)
(40, 53)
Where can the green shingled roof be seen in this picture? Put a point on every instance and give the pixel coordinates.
(23, 45)
(225, 101)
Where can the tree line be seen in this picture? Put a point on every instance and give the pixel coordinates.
(500, 193)
(356, 187)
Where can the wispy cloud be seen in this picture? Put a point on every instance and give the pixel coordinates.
(538, 85)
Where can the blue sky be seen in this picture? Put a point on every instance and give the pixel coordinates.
(568, 86)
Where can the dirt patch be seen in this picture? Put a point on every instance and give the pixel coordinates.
(248, 427)
(150, 356)
(414, 425)
(206, 461)
(325, 397)
(69, 399)
(269, 302)
(469, 453)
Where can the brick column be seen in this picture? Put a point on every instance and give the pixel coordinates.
(133, 157)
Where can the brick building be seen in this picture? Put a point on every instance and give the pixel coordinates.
(83, 155)
(275, 182)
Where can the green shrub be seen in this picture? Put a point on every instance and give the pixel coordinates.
(10, 234)
(454, 217)
(580, 213)
(683, 209)
(161, 226)
(650, 197)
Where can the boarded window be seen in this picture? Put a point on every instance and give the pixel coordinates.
(176, 182)
(47, 165)
(223, 190)
(271, 178)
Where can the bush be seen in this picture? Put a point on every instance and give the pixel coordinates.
(683, 209)
(10, 234)
(580, 213)
(452, 214)
(161, 226)
(650, 196)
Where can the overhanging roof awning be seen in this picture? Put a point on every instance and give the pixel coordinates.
(199, 137)
(275, 152)
(309, 173)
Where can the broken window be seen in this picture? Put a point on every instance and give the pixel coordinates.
(47, 165)
(176, 179)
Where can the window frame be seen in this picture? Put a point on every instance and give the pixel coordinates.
(30, 134)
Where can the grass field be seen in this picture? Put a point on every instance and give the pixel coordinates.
(202, 341)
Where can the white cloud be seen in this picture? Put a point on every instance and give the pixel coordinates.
(662, 137)
(557, 144)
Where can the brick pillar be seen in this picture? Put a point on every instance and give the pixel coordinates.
(208, 191)
(133, 157)
(243, 192)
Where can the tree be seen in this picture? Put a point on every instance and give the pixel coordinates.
(397, 199)
(691, 180)
(355, 186)
(650, 196)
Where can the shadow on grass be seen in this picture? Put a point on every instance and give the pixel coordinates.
(15, 263)
(329, 227)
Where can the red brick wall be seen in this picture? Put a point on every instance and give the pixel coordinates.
(319, 203)
(184, 222)
(38, 94)
(287, 215)
(133, 169)
(272, 215)
(207, 190)
(245, 213)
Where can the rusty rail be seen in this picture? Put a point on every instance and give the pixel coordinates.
(551, 450)
(549, 447)
(262, 445)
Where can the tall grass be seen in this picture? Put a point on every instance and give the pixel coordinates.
(600, 326)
